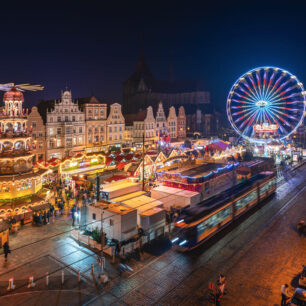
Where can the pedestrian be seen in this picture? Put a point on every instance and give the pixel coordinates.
(6, 249)
(48, 216)
(73, 212)
(284, 293)
(45, 218)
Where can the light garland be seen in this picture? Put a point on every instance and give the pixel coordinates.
(227, 167)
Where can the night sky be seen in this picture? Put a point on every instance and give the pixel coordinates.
(93, 47)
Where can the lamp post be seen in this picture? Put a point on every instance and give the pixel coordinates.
(102, 241)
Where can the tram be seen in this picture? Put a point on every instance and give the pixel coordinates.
(199, 223)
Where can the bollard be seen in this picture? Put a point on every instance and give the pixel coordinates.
(47, 278)
(31, 282)
(11, 285)
(92, 272)
(63, 277)
(79, 276)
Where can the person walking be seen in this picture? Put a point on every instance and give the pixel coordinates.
(6, 250)
(73, 212)
(284, 293)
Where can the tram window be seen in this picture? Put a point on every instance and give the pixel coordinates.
(245, 200)
(214, 220)
(267, 186)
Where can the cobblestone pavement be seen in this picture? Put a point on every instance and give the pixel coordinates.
(257, 254)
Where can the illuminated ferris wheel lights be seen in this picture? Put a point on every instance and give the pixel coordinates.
(266, 95)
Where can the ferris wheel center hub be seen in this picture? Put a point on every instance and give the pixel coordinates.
(261, 103)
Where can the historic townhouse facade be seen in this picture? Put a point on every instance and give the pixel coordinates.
(115, 125)
(142, 124)
(161, 120)
(95, 124)
(172, 123)
(65, 128)
(181, 123)
(35, 124)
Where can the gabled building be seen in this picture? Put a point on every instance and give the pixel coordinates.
(181, 123)
(172, 123)
(95, 123)
(161, 120)
(65, 126)
(35, 124)
(115, 125)
(143, 124)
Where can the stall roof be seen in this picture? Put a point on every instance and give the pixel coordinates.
(177, 191)
(142, 203)
(129, 196)
(152, 211)
(40, 207)
(113, 187)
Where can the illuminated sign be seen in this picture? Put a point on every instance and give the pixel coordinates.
(265, 127)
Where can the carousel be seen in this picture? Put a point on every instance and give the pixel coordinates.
(18, 178)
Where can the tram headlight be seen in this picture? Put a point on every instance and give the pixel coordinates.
(183, 242)
(175, 239)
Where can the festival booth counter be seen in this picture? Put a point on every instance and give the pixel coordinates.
(4, 233)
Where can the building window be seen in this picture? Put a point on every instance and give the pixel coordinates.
(101, 129)
(80, 130)
(89, 139)
(110, 138)
(33, 135)
(34, 124)
(59, 131)
(89, 130)
(89, 111)
(66, 118)
(40, 145)
(110, 129)
(80, 140)
(93, 216)
(115, 129)
(73, 118)
(96, 130)
(101, 138)
(68, 130)
(51, 131)
(96, 138)
(51, 119)
(40, 134)
(58, 119)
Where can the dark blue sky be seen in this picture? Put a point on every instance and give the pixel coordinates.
(94, 46)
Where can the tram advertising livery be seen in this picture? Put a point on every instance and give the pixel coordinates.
(197, 224)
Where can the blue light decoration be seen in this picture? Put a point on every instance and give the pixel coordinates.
(266, 103)
(201, 179)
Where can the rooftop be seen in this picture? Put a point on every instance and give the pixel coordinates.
(179, 192)
(196, 170)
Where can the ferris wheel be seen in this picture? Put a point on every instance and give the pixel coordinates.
(266, 103)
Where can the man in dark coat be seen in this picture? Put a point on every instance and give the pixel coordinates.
(6, 250)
